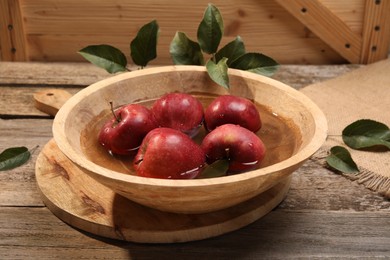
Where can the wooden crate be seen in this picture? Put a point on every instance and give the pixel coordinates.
(292, 32)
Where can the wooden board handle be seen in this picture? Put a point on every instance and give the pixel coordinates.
(50, 101)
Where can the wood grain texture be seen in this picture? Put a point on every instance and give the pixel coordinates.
(323, 216)
(18, 102)
(313, 186)
(281, 234)
(205, 195)
(328, 26)
(350, 12)
(44, 30)
(12, 34)
(82, 202)
(261, 24)
(50, 100)
(67, 75)
(376, 31)
(78, 75)
(19, 81)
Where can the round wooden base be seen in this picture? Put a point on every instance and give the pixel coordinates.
(80, 201)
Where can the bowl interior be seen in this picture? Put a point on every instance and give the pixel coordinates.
(78, 112)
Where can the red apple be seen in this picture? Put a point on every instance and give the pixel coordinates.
(179, 111)
(123, 133)
(168, 153)
(241, 147)
(229, 109)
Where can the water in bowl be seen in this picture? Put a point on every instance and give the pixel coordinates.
(280, 136)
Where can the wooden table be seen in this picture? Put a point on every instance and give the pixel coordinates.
(324, 214)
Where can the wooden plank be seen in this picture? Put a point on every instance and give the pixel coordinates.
(18, 132)
(350, 12)
(329, 27)
(12, 37)
(305, 50)
(376, 31)
(125, 17)
(18, 186)
(66, 74)
(313, 186)
(27, 233)
(16, 100)
(43, 20)
(19, 102)
(260, 24)
(298, 76)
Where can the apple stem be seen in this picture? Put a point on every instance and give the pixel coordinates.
(113, 112)
(227, 152)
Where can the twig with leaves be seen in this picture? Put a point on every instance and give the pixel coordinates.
(362, 134)
(185, 51)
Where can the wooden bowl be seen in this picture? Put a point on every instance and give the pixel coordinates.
(196, 195)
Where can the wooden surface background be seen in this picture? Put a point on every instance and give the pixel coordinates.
(323, 216)
(292, 32)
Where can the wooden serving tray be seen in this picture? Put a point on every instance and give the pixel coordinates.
(80, 201)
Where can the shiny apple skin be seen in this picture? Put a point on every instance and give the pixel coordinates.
(179, 111)
(168, 153)
(241, 147)
(230, 109)
(124, 137)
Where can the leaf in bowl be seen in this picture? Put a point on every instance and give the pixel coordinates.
(218, 72)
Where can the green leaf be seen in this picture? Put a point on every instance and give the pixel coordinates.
(13, 157)
(232, 51)
(105, 56)
(144, 46)
(210, 30)
(340, 159)
(366, 133)
(219, 72)
(216, 169)
(257, 63)
(185, 51)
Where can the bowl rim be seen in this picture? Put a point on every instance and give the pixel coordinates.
(317, 140)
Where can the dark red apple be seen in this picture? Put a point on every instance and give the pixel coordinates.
(229, 109)
(241, 147)
(168, 153)
(179, 111)
(124, 133)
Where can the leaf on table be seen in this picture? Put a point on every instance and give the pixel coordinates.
(210, 30)
(144, 46)
(231, 51)
(216, 169)
(13, 157)
(105, 56)
(341, 160)
(184, 51)
(366, 133)
(218, 72)
(257, 63)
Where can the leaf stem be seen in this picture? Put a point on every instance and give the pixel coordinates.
(32, 150)
(213, 58)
